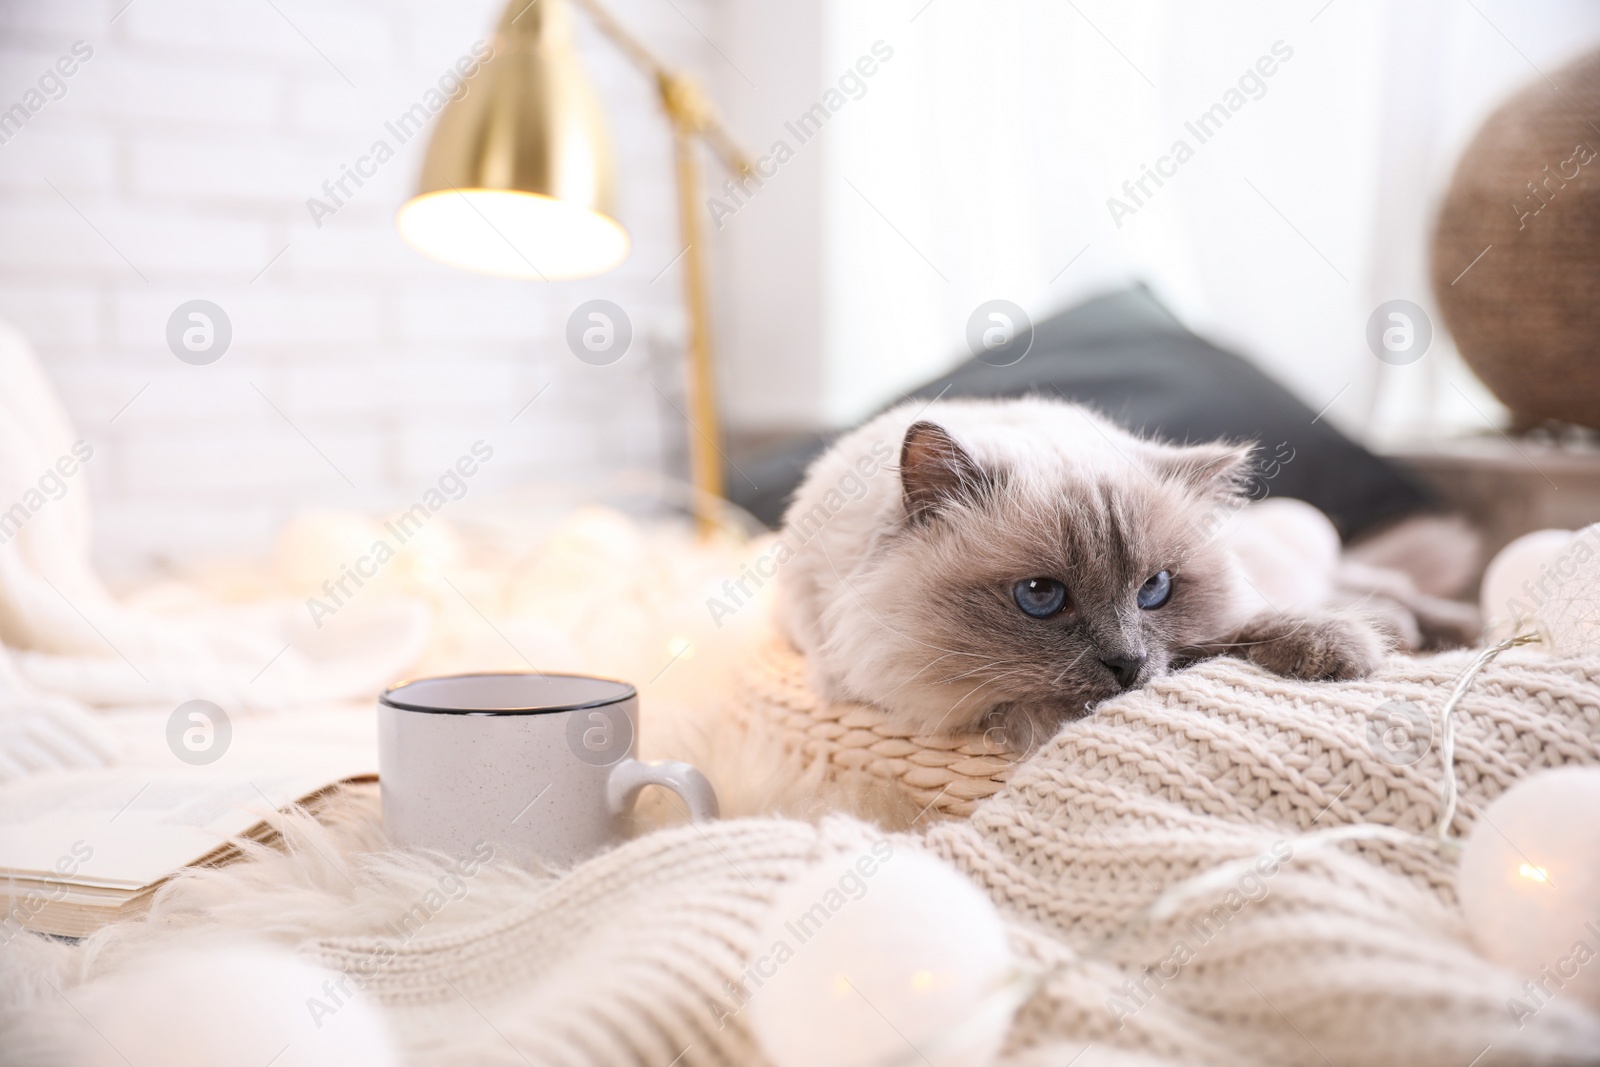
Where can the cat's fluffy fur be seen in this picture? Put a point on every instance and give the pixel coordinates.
(910, 533)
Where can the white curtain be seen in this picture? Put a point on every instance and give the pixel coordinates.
(980, 163)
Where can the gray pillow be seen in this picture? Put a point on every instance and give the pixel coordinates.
(1127, 356)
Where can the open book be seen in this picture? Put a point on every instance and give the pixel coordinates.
(82, 849)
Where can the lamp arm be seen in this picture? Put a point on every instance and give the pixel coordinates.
(681, 96)
(693, 119)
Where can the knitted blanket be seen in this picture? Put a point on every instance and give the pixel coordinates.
(1351, 954)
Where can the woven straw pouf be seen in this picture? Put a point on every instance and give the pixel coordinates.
(859, 748)
(1523, 213)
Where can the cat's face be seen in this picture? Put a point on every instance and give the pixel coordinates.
(1026, 596)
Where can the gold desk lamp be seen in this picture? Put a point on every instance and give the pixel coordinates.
(518, 181)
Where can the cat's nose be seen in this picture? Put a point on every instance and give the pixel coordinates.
(1125, 669)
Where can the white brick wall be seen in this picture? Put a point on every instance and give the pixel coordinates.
(190, 141)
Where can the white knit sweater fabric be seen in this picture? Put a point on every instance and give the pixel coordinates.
(1353, 954)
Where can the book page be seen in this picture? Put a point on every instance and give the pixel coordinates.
(127, 829)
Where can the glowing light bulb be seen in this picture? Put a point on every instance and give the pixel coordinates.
(881, 956)
(1529, 881)
(231, 1004)
(1509, 593)
(512, 234)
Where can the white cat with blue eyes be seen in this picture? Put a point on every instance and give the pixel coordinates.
(1027, 559)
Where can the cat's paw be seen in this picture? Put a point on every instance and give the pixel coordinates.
(1321, 649)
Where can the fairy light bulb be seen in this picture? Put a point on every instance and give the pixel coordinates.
(885, 956)
(1547, 580)
(1569, 617)
(245, 1003)
(1509, 595)
(1529, 884)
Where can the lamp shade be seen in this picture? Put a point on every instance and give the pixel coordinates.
(518, 179)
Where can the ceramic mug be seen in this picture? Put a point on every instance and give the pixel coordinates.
(539, 764)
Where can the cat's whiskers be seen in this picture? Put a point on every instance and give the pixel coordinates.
(968, 694)
(1057, 679)
(913, 677)
(1013, 667)
(964, 675)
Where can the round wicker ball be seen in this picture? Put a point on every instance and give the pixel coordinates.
(1525, 204)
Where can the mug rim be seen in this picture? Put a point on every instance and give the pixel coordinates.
(627, 691)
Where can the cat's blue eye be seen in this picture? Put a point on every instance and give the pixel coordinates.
(1040, 597)
(1156, 592)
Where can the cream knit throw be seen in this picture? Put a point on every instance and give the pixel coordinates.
(1354, 954)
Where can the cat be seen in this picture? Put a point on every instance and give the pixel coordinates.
(1023, 561)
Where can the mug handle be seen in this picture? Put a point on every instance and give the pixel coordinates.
(631, 775)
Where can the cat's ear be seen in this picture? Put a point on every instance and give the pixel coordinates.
(935, 469)
(1220, 469)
